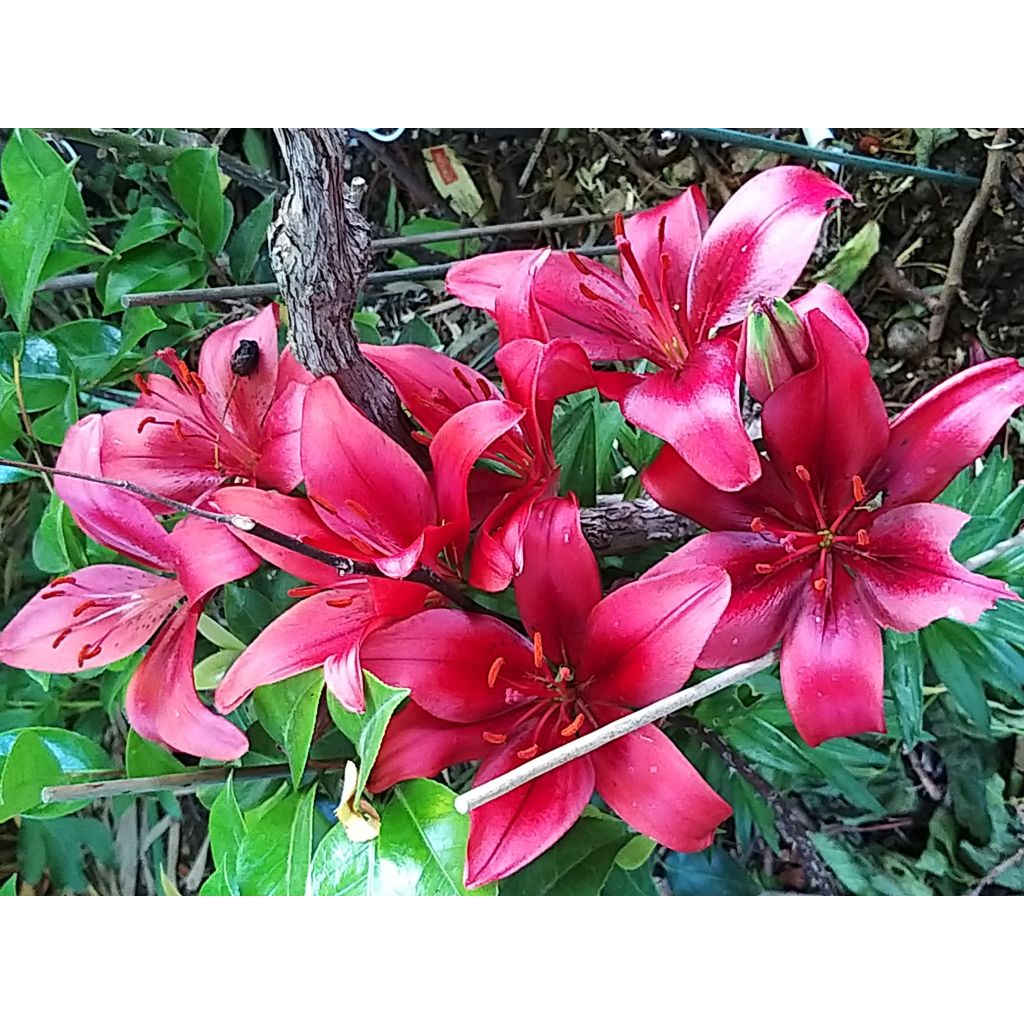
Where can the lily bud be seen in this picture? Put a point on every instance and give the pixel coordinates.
(774, 345)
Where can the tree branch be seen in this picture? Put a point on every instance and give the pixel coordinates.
(320, 250)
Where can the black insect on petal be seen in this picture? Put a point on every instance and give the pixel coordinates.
(245, 358)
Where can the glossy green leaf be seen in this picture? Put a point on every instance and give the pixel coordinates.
(249, 238)
(144, 226)
(154, 267)
(274, 856)
(58, 544)
(10, 887)
(709, 873)
(577, 865)
(27, 234)
(217, 634)
(287, 710)
(52, 426)
(143, 758)
(91, 346)
(27, 768)
(583, 435)
(904, 676)
(844, 269)
(366, 731)
(195, 183)
(341, 867)
(227, 831)
(26, 162)
(210, 671)
(637, 882)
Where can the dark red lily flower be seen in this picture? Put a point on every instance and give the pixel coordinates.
(236, 419)
(482, 690)
(102, 613)
(442, 395)
(838, 536)
(681, 281)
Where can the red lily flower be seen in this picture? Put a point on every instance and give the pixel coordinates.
(102, 613)
(236, 419)
(482, 690)
(775, 342)
(442, 394)
(837, 538)
(681, 281)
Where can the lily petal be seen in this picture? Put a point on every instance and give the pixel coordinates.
(161, 702)
(111, 610)
(477, 281)
(279, 445)
(696, 410)
(908, 577)
(511, 831)
(208, 556)
(110, 516)
(642, 640)
(648, 783)
(516, 309)
(560, 584)
(447, 658)
(354, 472)
(832, 665)
(833, 304)
(759, 244)
(945, 429)
(497, 556)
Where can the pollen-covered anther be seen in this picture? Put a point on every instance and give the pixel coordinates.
(354, 506)
(144, 422)
(538, 650)
(573, 727)
(757, 524)
(494, 671)
(69, 580)
(762, 568)
(589, 293)
(462, 379)
(140, 383)
(801, 471)
(62, 636)
(863, 540)
(339, 602)
(324, 504)
(197, 382)
(620, 225)
(494, 737)
(527, 752)
(580, 265)
(820, 583)
(859, 492)
(53, 593)
(88, 651)
(179, 430)
(84, 607)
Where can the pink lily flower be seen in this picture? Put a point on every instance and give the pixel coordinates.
(839, 538)
(681, 282)
(482, 690)
(102, 613)
(443, 394)
(236, 419)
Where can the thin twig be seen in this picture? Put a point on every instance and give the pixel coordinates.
(177, 783)
(964, 231)
(592, 741)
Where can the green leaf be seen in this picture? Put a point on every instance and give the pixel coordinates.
(210, 671)
(143, 758)
(366, 731)
(422, 845)
(195, 183)
(57, 847)
(421, 850)
(10, 887)
(26, 770)
(227, 831)
(428, 225)
(966, 689)
(577, 865)
(274, 856)
(287, 710)
(583, 435)
(217, 634)
(418, 332)
(57, 544)
(154, 267)
(51, 427)
(26, 162)
(248, 239)
(929, 140)
(92, 347)
(254, 146)
(248, 612)
(636, 853)
(27, 234)
(710, 873)
(904, 675)
(44, 380)
(144, 226)
(637, 882)
(367, 325)
(845, 268)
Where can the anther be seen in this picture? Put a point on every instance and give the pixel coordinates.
(580, 265)
(859, 493)
(198, 382)
(863, 540)
(339, 602)
(88, 651)
(323, 503)
(495, 737)
(620, 225)
(140, 383)
(355, 506)
(84, 607)
(483, 387)
(303, 591)
(589, 293)
(757, 524)
(69, 580)
(53, 593)
(801, 471)
(361, 546)
(573, 727)
(462, 379)
(179, 431)
(61, 637)
(820, 584)
(762, 568)
(144, 422)
(538, 650)
(495, 669)
(527, 752)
